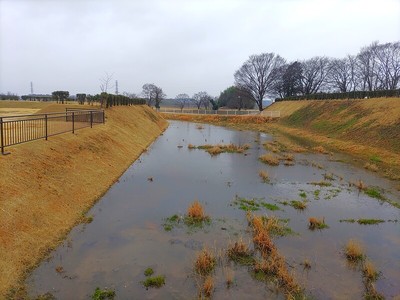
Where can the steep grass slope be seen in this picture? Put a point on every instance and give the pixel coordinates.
(371, 122)
(47, 186)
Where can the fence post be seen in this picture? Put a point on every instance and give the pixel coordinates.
(104, 117)
(1, 136)
(45, 121)
(91, 119)
(73, 122)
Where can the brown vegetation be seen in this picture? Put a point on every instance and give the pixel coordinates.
(41, 195)
(354, 251)
(264, 175)
(205, 262)
(196, 211)
(269, 159)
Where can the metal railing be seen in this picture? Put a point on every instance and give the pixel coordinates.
(226, 112)
(24, 128)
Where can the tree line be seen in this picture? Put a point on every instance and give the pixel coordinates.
(373, 72)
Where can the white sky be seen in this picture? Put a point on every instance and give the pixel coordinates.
(182, 46)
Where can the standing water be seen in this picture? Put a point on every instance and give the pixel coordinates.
(127, 235)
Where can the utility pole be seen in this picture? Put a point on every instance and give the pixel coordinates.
(31, 88)
(116, 87)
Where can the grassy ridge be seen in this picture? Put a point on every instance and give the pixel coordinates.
(47, 186)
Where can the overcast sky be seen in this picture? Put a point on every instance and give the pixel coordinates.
(182, 46)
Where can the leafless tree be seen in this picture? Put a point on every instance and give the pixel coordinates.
(202, 99)
(105, 82)
(153, 94)
(130, 95)
(342, 74)
(182, 100)
(314, 73)
(388, 65)
(258, 76)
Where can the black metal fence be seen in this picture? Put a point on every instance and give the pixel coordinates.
(24, 128)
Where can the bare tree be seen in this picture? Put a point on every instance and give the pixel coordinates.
(202, 99)
(182, 100)
(105, 82)
(341, 74)
(387, 57)
(258, 76)
(314, 73)
(130, 95)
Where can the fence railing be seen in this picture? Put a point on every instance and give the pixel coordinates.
(24, 128)
(225, 112)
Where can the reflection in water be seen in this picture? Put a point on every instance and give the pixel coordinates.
(127, 236)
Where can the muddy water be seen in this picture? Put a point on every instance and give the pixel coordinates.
(127, 236)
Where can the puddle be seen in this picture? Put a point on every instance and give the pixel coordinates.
(127, 234)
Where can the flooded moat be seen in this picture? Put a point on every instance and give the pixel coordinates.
(128, 232)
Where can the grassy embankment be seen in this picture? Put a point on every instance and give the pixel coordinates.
(47, 186)
(369, 130)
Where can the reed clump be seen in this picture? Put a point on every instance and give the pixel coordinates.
(264, 175)
(195, 213)
(208, 286)
(316, 223)
(269, 159)
(240, 253)
(354, 251)
(205, 262)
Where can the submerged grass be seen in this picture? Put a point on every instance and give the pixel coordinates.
(269, 159)
(240, 253)
(264, 175)
(221, 148)
(100, 294)
(155, 281)
(253, 204)
(300, 205)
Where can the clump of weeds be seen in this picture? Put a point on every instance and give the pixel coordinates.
(315, 223)
(374, 193)
(320, 149)
(371, 166)
(264, 175)
(208, 286)
(321, 183)
(195, 215)
(306, 264)
(205, 262)
(354, 251)
(240, 252)
(171, 222)
(370, 221)
(253, 204)
(154, 281)
(303, 194)
(277, 227)
(329, 176)
(100, 294)
(300, 205)
(369, 271)
(148, 272)
(269, 159)
(221, 148)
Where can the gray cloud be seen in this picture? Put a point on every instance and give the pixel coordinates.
(182, 46)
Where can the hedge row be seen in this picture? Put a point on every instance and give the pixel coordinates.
(110, 100)
(347, 95)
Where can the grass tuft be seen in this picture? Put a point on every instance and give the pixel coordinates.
(315, 223)
(195, 213)
(264, 175)
(269, 159)
(148, 272)
(369, 271)
(372, 167)
(354, 251)
(300, 205)
(205, 262)
(374, 193)
(208, 286)
(239, 252)
(156, 281)
(103, 294)
(370, 221)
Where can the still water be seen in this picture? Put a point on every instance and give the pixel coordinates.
(127, 236)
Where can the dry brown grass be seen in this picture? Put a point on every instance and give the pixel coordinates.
(369, 271)
(208, 286)
(41, 196)
(269, 159)
(196, 211)
(320, 149)
(229, 276)
(360, 185)
(205, 262)
(372, 167)
(354, 251)
(264, 175)
(314, 223)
